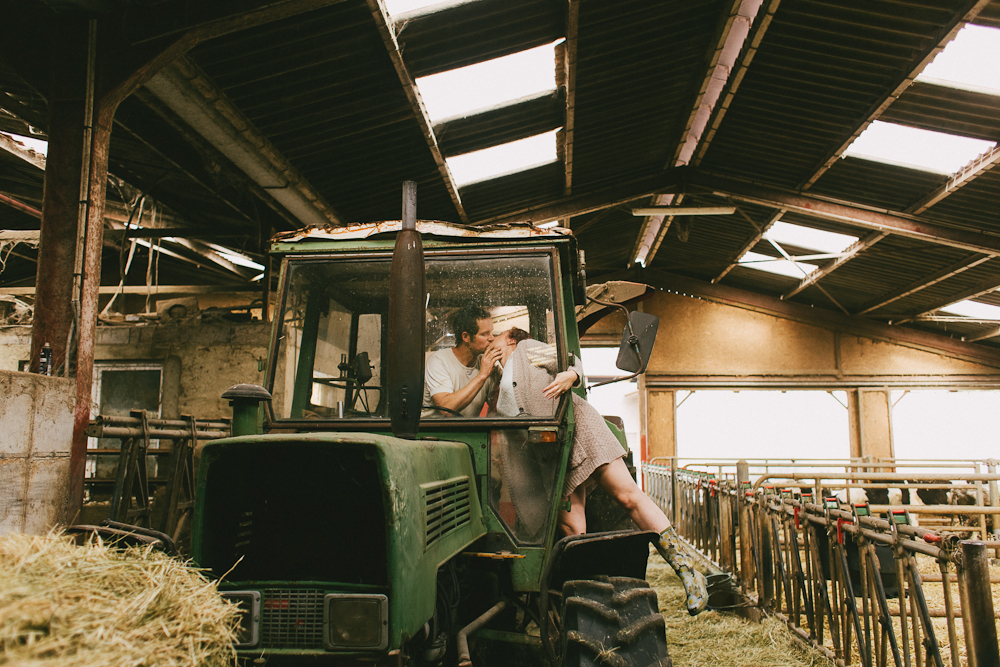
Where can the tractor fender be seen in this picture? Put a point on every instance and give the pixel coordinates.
(620, 553)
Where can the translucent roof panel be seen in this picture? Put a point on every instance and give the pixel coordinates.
(971, 61)
(394, 7)
(807, 237)
(40, 146)
(504, 159)
(782, 267)
(488, 84)
(917, 149)
(974, 309)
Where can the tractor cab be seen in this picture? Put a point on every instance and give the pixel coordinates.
(328, 365)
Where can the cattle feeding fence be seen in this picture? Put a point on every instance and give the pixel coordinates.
(867, 584)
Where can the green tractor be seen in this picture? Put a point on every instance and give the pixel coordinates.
(353, 525)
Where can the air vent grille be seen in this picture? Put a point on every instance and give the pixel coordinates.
(447, 506)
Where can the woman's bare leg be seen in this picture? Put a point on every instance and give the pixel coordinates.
(574, 522)
(615, 479)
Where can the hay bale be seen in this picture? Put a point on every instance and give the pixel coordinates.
(84, 606)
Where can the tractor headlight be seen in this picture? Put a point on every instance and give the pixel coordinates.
(248, 633)
(356, 621)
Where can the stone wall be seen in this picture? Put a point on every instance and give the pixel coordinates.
(200, 360)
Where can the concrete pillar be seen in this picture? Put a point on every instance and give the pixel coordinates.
(660, 431)
(870, 423)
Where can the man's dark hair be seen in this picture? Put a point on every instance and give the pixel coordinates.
(466, 320)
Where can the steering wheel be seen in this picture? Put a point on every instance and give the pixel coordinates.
(443, 409)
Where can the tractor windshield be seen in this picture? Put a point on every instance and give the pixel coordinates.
(333, 337)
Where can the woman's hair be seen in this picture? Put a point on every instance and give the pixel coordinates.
(517, 335)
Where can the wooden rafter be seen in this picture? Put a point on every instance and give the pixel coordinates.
(859, 216)
(850, 253)
(388, 34)
(761, 25)
(983, 163)
(595, 200)
(925, 282)
(979, 289)
(751, 242)
(970, 10)
(569, 71)
(717, 75)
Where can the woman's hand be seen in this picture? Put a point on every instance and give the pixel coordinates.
(563, 382)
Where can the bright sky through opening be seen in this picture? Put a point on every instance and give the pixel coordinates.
(802, 237)
(505, 158)
(918, 149)
(782, 267)
(973, 309)
(459, 91)
(807, 237)
(395, 7)
(970, 61)
(38, 145)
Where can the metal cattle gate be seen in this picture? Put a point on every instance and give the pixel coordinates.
(863, 584)
(133, 490)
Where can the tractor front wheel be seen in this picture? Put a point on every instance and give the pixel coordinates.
(612, 622)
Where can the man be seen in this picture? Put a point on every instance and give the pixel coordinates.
(456, 378)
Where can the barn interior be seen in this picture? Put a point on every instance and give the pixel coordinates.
(712, 150)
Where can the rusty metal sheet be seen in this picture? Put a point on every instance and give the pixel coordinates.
(428, 227)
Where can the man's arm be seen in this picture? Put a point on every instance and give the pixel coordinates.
(459, 400)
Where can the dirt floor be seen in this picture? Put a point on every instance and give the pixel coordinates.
(722, 638)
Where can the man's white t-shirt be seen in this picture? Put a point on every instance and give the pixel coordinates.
(444, 373)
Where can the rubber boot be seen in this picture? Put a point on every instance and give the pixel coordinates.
(672, 550)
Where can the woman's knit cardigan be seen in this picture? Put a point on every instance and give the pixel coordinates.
(534, 368)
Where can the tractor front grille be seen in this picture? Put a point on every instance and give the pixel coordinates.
(446, 507)
(292, 618)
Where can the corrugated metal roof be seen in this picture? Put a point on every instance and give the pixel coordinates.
(326, 89)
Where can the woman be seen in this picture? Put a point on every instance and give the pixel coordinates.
(530, 384)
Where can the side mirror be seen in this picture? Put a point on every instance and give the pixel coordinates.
(637, 342)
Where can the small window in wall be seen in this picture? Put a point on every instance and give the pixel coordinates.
(757, 424)
(118, 389)
(943, 424)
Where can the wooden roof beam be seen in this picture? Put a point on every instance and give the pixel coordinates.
(189, 93)
(568, 74)
(925, 282)
(751, 242)
(859, 216)
(969, 10)
(669, 180)
(984, 287)
(388, 34)
(966, 175)
(850, 253)
(722, 60)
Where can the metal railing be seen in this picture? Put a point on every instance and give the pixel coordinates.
(132, 489)
(863, 584)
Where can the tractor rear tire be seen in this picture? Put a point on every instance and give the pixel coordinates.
(612, 622)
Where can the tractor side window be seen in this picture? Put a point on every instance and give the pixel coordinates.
(522, 481)
(332, 341)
